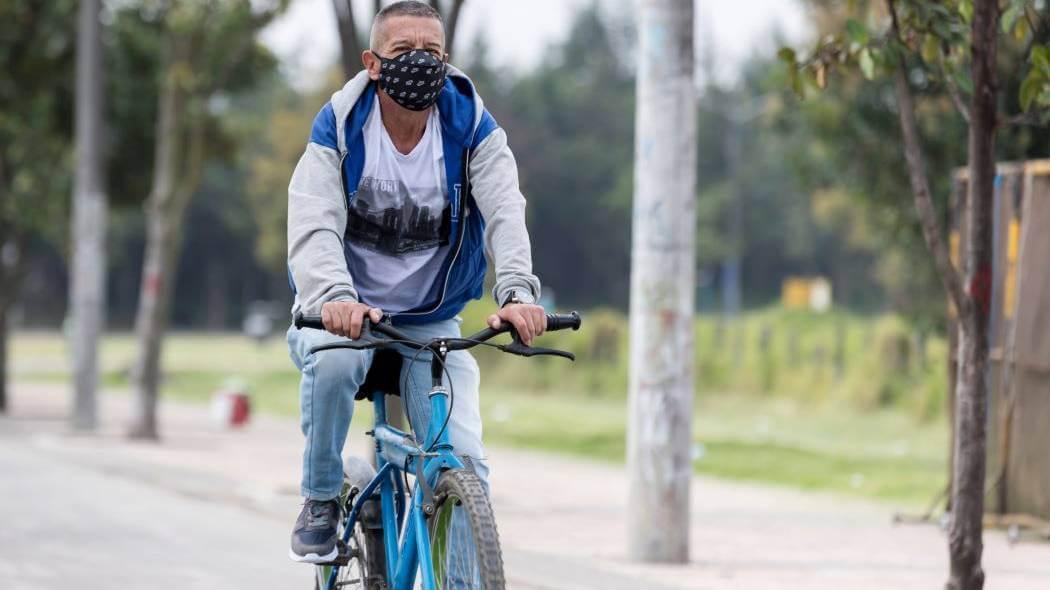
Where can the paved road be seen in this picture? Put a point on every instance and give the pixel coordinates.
(208, 509)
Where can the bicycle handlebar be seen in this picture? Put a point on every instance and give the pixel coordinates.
(555, 322)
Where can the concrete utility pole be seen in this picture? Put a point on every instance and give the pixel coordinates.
(659, 434)
(88, 290)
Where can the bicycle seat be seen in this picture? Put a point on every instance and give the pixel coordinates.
(384, 376)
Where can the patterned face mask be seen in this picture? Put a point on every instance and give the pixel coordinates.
(413, 79)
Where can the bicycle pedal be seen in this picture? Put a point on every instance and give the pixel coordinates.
(345, 554)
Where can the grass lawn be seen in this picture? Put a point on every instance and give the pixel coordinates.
(831, 445)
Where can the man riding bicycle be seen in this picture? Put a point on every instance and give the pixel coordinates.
(406, 184)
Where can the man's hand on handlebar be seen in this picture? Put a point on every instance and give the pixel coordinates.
(529, 320)
(344, 318)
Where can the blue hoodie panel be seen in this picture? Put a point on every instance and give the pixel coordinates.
(323, 131)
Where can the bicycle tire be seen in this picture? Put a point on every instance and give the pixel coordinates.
(374, 560)
(461, 498)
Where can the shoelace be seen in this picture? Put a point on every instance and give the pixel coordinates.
(319, 515)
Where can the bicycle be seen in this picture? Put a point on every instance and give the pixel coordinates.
(384, 542)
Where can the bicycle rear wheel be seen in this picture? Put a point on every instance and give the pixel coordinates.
(365, 570)
(464, 543)
(365, 557)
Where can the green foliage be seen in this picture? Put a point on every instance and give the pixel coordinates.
(211, 49)
(37, 43)
(220, 59)
(930, 37)
(1035, 90)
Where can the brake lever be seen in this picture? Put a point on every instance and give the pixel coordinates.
(364, 342)
(521, 349)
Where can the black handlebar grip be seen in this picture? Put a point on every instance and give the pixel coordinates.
(308, 321)
(563, 321)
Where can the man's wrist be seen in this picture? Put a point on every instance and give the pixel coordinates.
(518, 297)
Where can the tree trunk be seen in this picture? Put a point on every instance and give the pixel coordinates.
(931, 226)
(452, 24)
(88, 280)
(659, 435)
(349, 40)
(12, 248)
(172, 186)
(964, 534)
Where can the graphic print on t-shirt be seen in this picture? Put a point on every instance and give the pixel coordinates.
(382, 218)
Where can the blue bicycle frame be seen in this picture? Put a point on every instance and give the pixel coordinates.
(405, 536)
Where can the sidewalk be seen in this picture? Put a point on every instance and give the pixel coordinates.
(560, 518)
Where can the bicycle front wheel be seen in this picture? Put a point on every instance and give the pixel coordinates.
(464, 544)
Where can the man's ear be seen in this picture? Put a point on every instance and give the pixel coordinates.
(371, 63)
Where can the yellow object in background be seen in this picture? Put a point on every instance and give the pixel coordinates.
(806, 293)
(1013, 240)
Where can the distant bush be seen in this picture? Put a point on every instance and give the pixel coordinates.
(868, 362)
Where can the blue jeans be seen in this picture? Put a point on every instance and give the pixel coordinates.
(330, 380)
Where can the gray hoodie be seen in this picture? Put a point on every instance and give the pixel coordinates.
(317, 205)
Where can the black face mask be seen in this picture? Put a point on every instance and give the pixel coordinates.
(413, 79)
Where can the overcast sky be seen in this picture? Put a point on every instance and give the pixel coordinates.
(518, 31)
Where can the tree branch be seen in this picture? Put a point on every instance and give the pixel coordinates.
(931, 228)
(193, 157)
(1034, 117)
(956, 94)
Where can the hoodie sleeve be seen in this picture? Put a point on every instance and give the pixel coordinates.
(317, 220)
(494, 182)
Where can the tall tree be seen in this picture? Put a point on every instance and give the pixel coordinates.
(35, 121)
(659, 434)
(206, 47)
(960, 39)
(90, 212)
(965, 533)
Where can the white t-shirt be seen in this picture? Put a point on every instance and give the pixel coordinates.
(398, 222)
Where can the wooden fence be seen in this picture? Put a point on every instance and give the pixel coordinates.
(1019, 375)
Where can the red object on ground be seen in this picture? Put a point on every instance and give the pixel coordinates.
(240, 409)
(231, 408)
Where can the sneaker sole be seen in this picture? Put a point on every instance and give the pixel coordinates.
(313, 557)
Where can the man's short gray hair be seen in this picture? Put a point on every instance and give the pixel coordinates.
(403, 8)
